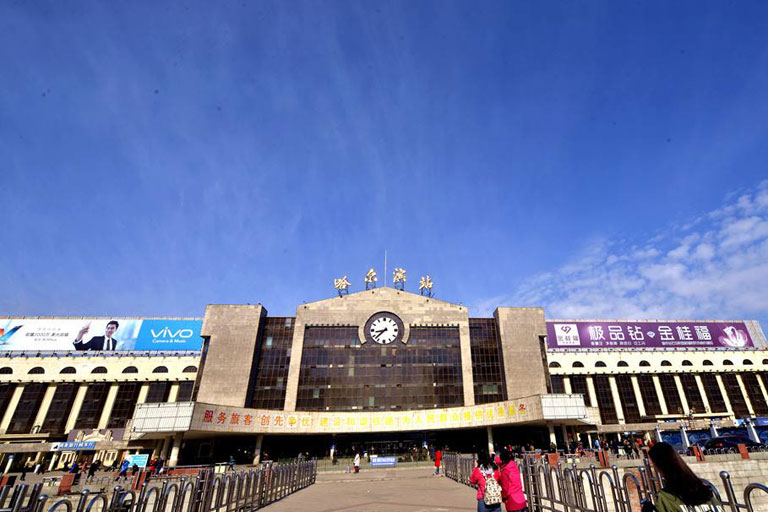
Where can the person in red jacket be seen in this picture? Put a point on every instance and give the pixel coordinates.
(438, 458)
(484, 468)
(511, 484)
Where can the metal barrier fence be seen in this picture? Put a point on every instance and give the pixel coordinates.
(570, 489)
(236, 491)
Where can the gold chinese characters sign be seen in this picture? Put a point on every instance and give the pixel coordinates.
(235, 419)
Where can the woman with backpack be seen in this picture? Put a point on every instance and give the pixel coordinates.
(486, 477)
(682, 489)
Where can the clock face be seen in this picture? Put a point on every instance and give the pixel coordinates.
(384, 328)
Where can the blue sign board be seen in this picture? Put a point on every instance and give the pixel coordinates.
(73, 446)
(169, 335)
(140, 459)
(383, 462)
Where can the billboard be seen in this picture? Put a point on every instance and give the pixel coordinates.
(99, 334)
(571, 334)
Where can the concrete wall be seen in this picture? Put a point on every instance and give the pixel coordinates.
(520, 329)
(232, 332)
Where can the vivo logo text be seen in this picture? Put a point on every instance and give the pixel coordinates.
(167, 333)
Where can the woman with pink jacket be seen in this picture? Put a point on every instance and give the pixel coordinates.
(511, 484)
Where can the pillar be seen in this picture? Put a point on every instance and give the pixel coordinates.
(174, 392)
(257, 451)
(166, 446)
(54, 460)
(660, 395)
(638, 396)
(42, 412)
(11, 409)
(616, 399)
(727, 400)
(552, 436)
(173, 460)
(143, 392)
(763, 389)
(8, 466)
(743, 391)
(591, 391)
(76, 405)
(703, 393)
(564, 431)
(567, 385)
(681, 392)
(108, 404)
(491, 449)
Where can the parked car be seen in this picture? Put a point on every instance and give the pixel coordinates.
(729, 443)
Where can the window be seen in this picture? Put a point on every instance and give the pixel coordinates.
(671, 395)
(99, 369)
(487, 360)
(5, 370)
(29, 403)
(93, 403)
(61, 405)
(727, 362)
(628, 399)
(271, 364)
(712, 390)
(645, 363)
(747, 362)
(558, 383)
(605, 400)
(755, 394)
(687, 363)
(160, 369)
(37, 370)
(68, 370)
(158, 392)
(622, 364)
(189, 369)
(579, 385)
(554, 365)
(130, 369)
(578, 364)
(735, 396)
(600, 364)
(648, 394)
(185, 391)
(666, 363)
(707, 362)
(692, 394)
(125, 403)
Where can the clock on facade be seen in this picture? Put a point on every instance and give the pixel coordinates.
(384, 328)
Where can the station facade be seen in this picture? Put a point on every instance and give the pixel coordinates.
(382, 369)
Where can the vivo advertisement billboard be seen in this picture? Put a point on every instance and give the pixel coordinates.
(600, 335)
(99, 334)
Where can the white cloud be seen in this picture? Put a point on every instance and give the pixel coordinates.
(716, 266)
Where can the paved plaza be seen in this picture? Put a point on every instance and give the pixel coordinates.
(385, 490)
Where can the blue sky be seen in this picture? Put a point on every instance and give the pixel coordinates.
(156, 157)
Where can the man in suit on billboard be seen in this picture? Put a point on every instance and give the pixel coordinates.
(106, 342)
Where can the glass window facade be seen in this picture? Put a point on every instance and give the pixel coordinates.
(579, 385)
(648, 394)
(125, 403)
(628, 399)
(185, 391)
(605, 399)
(338, 373)
(93, 403)
(735, 396)
(487, 361)
(755, 394)
(558, 383)
(692, 394)
(61, 405)
(671, 395)
(158, 392)
(273, 359)
(24, 415)
(712, 390)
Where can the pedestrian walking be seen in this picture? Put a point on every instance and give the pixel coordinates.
(438, 459)
(511, 483)
(123, 473)
(356, 462)
(486, 477)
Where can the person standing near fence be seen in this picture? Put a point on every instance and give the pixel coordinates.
(484, 473)
(511, 483)
(682, 488)
(356, 462)
(438, 459)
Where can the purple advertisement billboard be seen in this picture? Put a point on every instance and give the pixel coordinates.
(599, 335)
